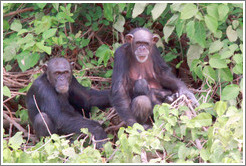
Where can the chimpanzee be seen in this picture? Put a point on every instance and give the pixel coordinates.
(135, 60)
(156, 96)
(60, 98)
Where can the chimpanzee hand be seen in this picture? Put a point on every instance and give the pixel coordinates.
(189, 95)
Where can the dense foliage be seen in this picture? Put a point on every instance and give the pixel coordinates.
(201, 39)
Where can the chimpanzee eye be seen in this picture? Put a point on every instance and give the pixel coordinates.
(65, 72)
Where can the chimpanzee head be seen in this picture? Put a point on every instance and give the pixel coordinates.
(59, 74)
(142, 41)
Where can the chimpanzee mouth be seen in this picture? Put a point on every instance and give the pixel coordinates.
(142, 58)
(62, 89)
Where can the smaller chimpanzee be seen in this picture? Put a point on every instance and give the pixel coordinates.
(157, 96)
(52, 93)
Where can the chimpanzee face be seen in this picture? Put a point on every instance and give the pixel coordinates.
(59, 74)
(142, 42)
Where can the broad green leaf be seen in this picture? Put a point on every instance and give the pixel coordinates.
(158, 10)
(189, 10)
(16, 141)
(205, 154)
(5, 25)
(215, 46)
(225, 74)
(200, 34)
(41, 5)
(173, 20)
(108, 11)
(84, 42)
(230, 92)
(212, 10)
(190, 29)
(235, 24)
(226, 54)
(231, 34)
(238, 58)
(233, 47)
(119, 24)
(49, 33)
(168, 30)
(104, 53)
(202, 119)
(16, 26)
(223, 11)
(205, 106)
(179, 27)
(182, 153)
(9, 53)
(220, 107)
(22, 31)
(6, 91)
(218, 34)
(27, 60)
(238, 68)
(56, 6)
(217, 63)
(209, 73)
(212, 23)
(41, 46)
(194, 52)
(138, 9)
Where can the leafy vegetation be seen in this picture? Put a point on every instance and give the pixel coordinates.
(205, 39)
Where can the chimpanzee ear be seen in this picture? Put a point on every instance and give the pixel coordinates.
(129, 38)
(44, 67)
(155, 38)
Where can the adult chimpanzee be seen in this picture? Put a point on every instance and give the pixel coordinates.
(139, 59)
(60, 98)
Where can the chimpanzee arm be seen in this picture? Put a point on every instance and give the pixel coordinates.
(44, 94)
(120, 98)
(83, 97)
(167, 78)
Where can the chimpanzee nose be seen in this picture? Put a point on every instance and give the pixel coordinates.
(142, 48)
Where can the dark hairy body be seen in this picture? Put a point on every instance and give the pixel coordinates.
(139, 59)
(60, 98)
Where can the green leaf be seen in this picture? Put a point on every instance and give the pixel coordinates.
(230, 92)
(16, 141)
(225, 74)
(235, 24)
(41, 46)
(205, 154)
(194, 52)
(119, 24)
(27, 60)
(200, 34)
(215, 46)
(108, 11)
(205, 106)
(49, 33)
(41, 5)
(238, 58)
(158, 10)
(56, 6)
(220, 107)
(238, 68)
(217, 63)
(168, 30)
(84, 42)
(9, 53)
(5, 25)
(179, 27)
(190, 29)
(226, 54)
(231, 34)
(104, 53)
(212, 23)
(16, 26)
(212, 10)
(138, 9)
(203, 119)
(223, 11)
(189, 10)
(209, 73)
(182, 153)
(6, 91)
